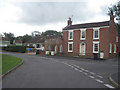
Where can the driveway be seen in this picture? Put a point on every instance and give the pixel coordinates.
(58, 72)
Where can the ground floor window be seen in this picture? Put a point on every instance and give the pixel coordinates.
(96, 47)
(110, 48)
(56, 49)
(38, 46)
(114, 48)
(70, 46)
(61, 48)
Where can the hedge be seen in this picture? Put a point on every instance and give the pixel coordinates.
(21, 49)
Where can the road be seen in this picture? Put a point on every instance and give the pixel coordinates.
(60, 72)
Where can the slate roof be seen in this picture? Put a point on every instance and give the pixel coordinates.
(18, 41)
(41, 39)
(37, 39)
(87, 25)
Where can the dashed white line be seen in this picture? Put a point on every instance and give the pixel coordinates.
(72, 67)
(69, 65)
(85, 73)
(81, 68)
(99, 76)
(99, 81)
(86, 70)
(109, 86)
(92, 77)
(92, 73)
(75, 68)
(80, 71)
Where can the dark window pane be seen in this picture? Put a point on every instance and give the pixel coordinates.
(38, 45)
(95, 47)
(96, 34)
(83, 34)
(70, 47)
(71, 35)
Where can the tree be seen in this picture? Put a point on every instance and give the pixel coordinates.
(52, 33)
(10, 36)
(115, 11)
(24, 38)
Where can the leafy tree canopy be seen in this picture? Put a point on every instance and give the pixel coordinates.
(24, 38)
(10, 36)
(52, 33)
(115, 10)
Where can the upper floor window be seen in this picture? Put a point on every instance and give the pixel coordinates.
(96, 33)
(83, 34)
(70, 35)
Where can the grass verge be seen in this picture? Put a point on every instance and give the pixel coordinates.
(8, 62)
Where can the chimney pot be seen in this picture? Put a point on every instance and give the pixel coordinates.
(69, 21)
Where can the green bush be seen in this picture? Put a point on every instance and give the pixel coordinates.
(21, 49)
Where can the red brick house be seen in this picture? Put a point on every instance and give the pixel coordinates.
(91, 39)
(54, 45)
(46, 44)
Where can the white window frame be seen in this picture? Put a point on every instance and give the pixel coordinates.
(96, 29)
(114, 48)
(95, 42)
(68, 46)
(117, 39)
(110, 48)
(69, 35)
(81, 34)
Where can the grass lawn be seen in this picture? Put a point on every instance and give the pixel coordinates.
(8, 62)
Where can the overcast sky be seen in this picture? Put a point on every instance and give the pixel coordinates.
(24, 16)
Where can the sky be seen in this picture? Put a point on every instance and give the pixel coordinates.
(24, 16)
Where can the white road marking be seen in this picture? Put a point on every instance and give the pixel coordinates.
(86, 70)
(69, 65)
(99, 76)
(81, 68)
(75, 68)
(92, 73)
(109, 86)
(80, 71)
(72, 67)
(91, 77)
(85, 73)
(99, 81)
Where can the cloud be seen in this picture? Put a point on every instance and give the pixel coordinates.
(40, 13)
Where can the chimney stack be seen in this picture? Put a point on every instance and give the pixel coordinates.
(111, 17)
(69, 21)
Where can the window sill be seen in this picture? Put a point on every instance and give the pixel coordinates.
(70, 51)
(95, 52)
(95, 38)
(70, 39)
(82, 38)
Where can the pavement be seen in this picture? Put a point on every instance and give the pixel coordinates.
(115, 79)
(60, 72)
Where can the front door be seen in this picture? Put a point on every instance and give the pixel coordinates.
(82, 48)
